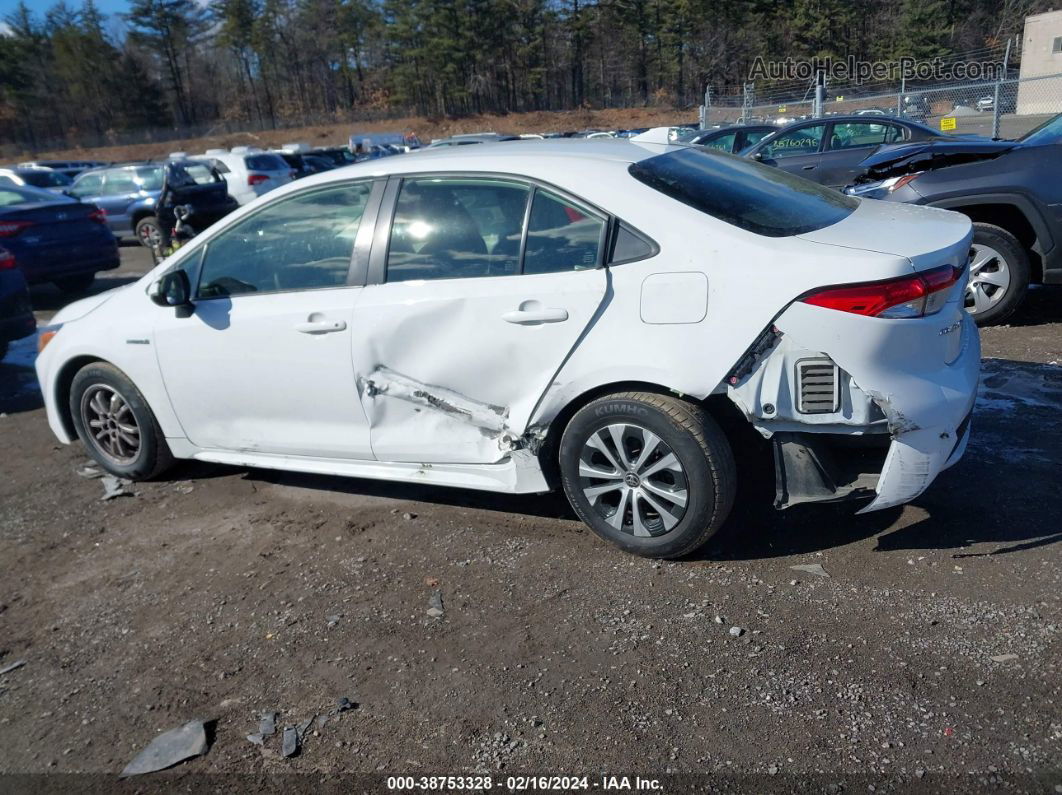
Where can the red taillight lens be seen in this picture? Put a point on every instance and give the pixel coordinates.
(12, 228)
(7, 259)
(98, 215)
(909, 296)
(256, 179)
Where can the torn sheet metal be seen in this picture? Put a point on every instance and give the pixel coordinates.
(921, 378)
(388, 383)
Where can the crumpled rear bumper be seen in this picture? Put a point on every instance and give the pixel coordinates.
(921, 373)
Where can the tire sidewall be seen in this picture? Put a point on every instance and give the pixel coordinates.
(144, 463)
(1018, 265)
(700, 489)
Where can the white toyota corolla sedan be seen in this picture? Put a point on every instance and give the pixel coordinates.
(521, 316)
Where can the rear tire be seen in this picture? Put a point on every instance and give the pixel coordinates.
(76, 284)
(999, 275)
(116, 425)
(148, 231)
(650, 473)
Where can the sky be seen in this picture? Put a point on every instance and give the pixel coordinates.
(40, 6)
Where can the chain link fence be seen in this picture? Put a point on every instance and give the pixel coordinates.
(996, 109)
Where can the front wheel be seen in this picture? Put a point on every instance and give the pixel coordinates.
(116, 425)
(650, 473)
(999, 275)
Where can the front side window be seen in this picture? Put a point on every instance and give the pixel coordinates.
(753, 137)
(750, 195)
(804, 141)
(120, 183)
(88, 185)
(302, 242)
(452, 228)
(150, 177)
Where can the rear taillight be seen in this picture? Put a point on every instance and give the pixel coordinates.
(12, 228)
(917, 295)
(98, 215)
(7, 259)
(256, 179)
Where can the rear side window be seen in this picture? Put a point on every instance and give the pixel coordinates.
(561, 236)
(761, 199)
(265, 163)
(456, 228)
(192, 174)
(149, 178)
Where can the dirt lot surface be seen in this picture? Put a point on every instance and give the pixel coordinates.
(928, 659)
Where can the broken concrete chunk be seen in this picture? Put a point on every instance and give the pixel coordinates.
(169, 748)
(12, 667)
(290, 745)
(267, 725)
(996, 658)
(114, 487)
(304, 727)
(736, 632)
(811, 568)
(89, 471)
(321, 721)
(435, 605)
(257, 739)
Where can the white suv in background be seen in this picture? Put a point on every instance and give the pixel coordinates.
(249, 171)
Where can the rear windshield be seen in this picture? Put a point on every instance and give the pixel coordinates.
(191, 173)
(749, 195)
(265, 163)
(45, 179)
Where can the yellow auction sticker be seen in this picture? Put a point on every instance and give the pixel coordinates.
(947, 123)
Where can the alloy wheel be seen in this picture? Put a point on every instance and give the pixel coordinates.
(633, 479)
(111, 425)
(989, 278)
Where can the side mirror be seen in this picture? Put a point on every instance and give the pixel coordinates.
(173, 289)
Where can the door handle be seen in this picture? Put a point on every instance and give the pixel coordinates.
(320, 326)
(529, 317)
(807, 168)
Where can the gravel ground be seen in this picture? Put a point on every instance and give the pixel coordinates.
(493, 634)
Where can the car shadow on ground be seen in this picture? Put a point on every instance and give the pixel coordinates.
(19, 390)
(49, 298)
(1042, 305)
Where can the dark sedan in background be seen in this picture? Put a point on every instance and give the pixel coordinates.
(830, 150)
(16, 314)
(53, 238)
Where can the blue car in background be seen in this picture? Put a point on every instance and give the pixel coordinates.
(53, 238)
(127, 194)
(16, 314)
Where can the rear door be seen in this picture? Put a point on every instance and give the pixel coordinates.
(483, 286)
(848, 144)
(796, 151)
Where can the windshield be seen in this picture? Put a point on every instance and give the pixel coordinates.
(1050, 132)
(749, 195)
(42, 178)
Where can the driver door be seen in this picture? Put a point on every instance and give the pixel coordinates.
(263, 362)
